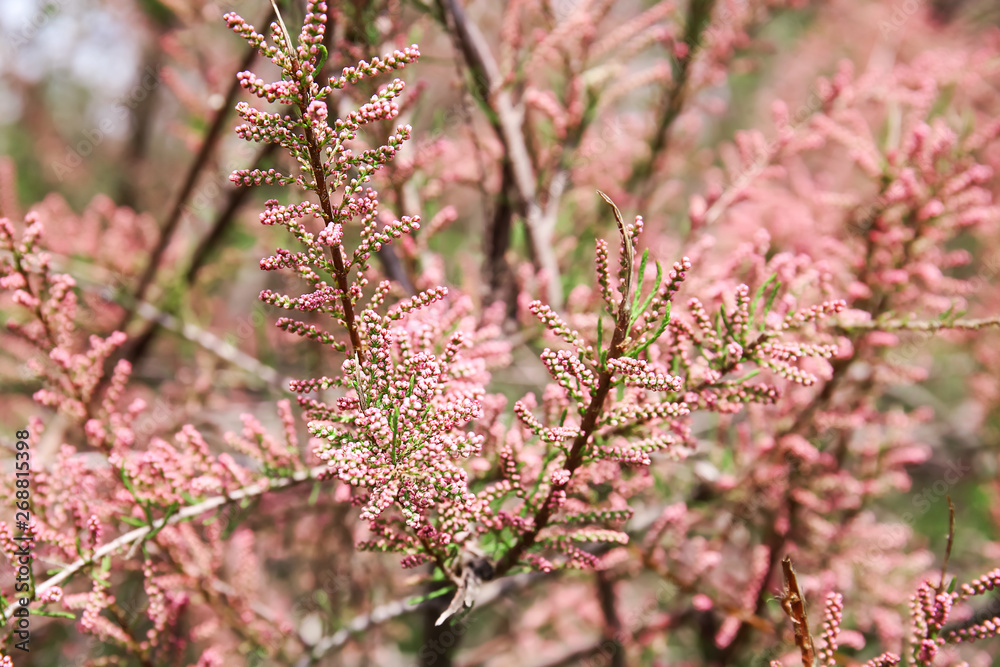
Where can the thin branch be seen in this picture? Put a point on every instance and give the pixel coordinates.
(340, 268)
(187, 187)
(699, 17)
(507, 123)
(213, 344)
(142, 121)
(133, 536)
(922, 325)
(614, 638)
(489, 593)
(499, 275)
(223, 221)
(319, 181)
(951, 541)
(877, 305)
(140, 344)
(589, 422)
(98, 277)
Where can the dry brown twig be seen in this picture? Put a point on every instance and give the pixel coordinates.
(951, 541)
(794, 605)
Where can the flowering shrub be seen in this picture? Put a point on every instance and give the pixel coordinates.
(736, 387)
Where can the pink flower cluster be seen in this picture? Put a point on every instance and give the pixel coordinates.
(676, 431)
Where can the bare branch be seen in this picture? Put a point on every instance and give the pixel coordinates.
(794, 605)
(951, 541)
(507, 123)
(490, 592)
(922, 325)
(189, 512)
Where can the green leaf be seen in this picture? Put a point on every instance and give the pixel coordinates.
(169, 513)
(430, 596)
(53, 614)
(760, 293)
(636, 313)
(321, 57)
(638, 285)
(105, 564)
(726, 462)
(725, 321)
(602, 354)
(770, 302)
(636, 351)
(126, 481)
(748, 376)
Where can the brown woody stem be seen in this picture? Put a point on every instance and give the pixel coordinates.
(795, 607)
(573, 461)
(590, 417)
(340, 269)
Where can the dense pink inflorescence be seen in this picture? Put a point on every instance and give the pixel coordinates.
(737, 379)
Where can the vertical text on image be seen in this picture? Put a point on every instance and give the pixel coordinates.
(22, 518)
